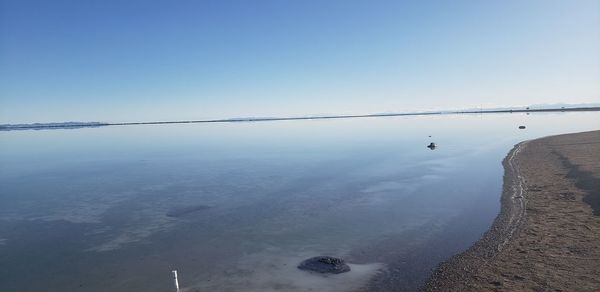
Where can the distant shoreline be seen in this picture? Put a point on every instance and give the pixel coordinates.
(76, 125)
(546, 235)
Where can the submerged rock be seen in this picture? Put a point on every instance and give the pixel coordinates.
(325, 265)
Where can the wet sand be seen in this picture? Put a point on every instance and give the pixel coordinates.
(547, 235)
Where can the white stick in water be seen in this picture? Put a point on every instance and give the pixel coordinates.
(175, 281)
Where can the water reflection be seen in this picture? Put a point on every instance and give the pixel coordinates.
(237, 206)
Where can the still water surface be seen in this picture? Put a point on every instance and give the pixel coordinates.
(237, 206)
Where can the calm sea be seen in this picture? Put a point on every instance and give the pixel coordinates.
(237, 206)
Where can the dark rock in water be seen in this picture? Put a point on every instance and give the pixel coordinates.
(185, 210)
(325, 265)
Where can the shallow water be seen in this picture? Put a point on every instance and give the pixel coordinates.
(237, 206)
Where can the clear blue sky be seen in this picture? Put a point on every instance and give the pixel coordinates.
(133, 60)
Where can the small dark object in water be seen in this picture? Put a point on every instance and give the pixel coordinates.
(431, 146)
(521, 127)
(324, 265)
(185, 210)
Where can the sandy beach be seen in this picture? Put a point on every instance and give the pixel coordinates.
(547, 234)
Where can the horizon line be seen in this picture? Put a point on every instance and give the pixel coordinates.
(73, 125)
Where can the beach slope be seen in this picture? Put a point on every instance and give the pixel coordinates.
(547, 235)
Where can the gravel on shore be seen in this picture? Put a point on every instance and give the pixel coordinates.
(547, 235)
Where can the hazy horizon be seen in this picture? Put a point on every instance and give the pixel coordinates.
(328, 115)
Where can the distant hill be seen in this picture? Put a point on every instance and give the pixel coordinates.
(42, 126)
(545, 106)
(561, 105)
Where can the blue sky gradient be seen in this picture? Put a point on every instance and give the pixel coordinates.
(169, 60)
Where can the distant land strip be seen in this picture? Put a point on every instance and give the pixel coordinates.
(75, 125)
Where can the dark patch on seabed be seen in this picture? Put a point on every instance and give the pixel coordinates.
(186, 210)
(584, 180)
